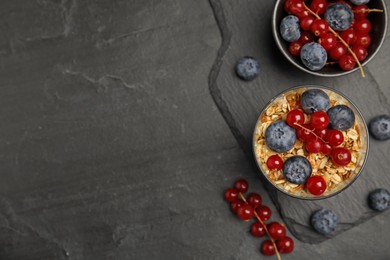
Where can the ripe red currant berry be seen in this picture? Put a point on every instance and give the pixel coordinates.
(285, 245)
(236, 204)
(341, 156)
(360, 12)
(287, 6)
(245, 212)
(362, 26)
(334, 137)
(314, 146)
(276, 230)
(318, 6)
(306, 23)
(305, 133)
(305, 13)
(294, 48)
(264, 212)
(337, 51)
(241, 185)
(363, 40)
(295, 118)
(321, 133)
(347, 62)
(328, 41)
(319, 120)
(257, 229)
(268, 248)
(319, 27)
(296, 7)
(306, 37)
(360, 52)
(316, 185)
(349, 36)
(231, 195)
(275, 162)
(254, 200)
(326, 149)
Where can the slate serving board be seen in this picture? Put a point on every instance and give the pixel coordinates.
(245, 32)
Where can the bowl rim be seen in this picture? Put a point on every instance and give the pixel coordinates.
(361, 117)
(279, 43)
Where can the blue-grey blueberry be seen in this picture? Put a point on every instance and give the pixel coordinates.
(379, 127)
(289, 28)
(313, 100)
(339, 16)
(297, 169)
(247, 68)
(313, 56)
(324, 221)
(280, 137)
(341, 117)
(379, 199)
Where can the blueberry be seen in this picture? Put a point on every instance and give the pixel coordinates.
(324, 221)
(297, 169)
(313, 56)
(247, 68)
(359, 2)
(280, 137)
(339, 16)
(314, 100)
(289, 28)
(379, 127)
(379, 199)
(341, 117)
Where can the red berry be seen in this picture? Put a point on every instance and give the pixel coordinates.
(314, 146)
(349, 36)
(296, 7)
(362, 26)
(318, 6)
(295, 117)
(316, 185)
(287, 5)
(334, 137)
(341, 156)
(257, 229)
(363, 40)
(319, 120)
(275, 162)
(264, 212)
(236, 204)
(337, 51)
(319, 27)
(268, 248)
(285, 245)
(321, 133)
(302, 15)
(231, 194)
(306, 37)
(245, 212)
(306, 23)
(328, 41)
(360, 52)
(360, 12)
(347, 62)
(276, 230)
(241, 185)
(305, 133)
(326, 149)
(295, 48)
(254, 200)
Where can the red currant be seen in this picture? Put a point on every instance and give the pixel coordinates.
(319, 27)
(319, 119)
(296, 7)
(285, 245)
(321, 133)
(334, 137)
(264, 212)
(254, 200)
(326, 149)
(276, 230)
(328, 41)
(363, 40)
(257, 229)
(318, 6)
(347, 62)
(295, 48)
(275, 162)
(314, 146)
(236, 204)
(241, 185)
(349, 36)
(360, 12)
(245, 212)
(295, 117)
(305, 133)
(360, 52)
(268, 248)
(306, 37)
(231, 194)
(287, 6)
(306, 23)
(362, 26)
(316, 185)
(341, 156)
(337, 51)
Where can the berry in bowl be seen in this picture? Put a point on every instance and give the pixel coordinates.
(329, 38)
(310, 142)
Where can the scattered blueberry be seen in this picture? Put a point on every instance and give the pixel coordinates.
(341, 117)
(280, 137)
(313, 56)
(379, 127)
(289, 28)
(379, 199)
(297, 169)
(339, 16)
(247, 68)
(314, 100)
(359, 2)
(324, 221)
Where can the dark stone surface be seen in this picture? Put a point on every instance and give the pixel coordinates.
(111, 144)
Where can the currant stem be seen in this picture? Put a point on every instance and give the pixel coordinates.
(265, 227)
(341, 40)
(368, 11)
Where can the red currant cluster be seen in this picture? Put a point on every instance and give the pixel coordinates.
(252, 207)
(345, 48)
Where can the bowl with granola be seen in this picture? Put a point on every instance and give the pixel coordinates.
(311, 142)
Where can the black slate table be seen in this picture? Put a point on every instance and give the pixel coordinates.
(123, 122)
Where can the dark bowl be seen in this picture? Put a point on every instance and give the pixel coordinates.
(378, 32)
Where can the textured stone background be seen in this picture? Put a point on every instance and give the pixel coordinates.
(112, 146)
